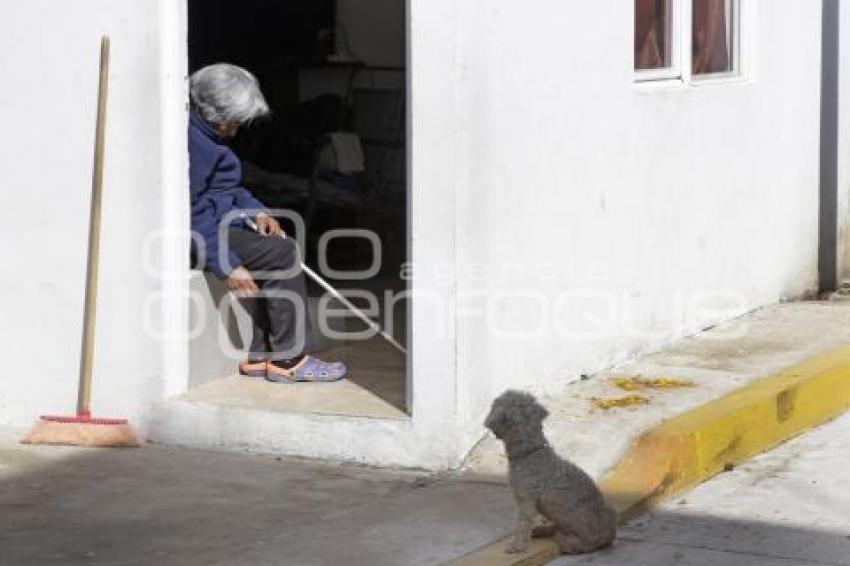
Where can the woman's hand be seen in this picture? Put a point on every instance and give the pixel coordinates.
(240, 282)
(268, 225)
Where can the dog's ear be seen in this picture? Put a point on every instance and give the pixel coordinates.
(536, 412)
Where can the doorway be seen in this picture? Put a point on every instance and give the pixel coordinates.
(333, 155)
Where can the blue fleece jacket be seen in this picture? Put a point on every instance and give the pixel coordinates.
(214, 181)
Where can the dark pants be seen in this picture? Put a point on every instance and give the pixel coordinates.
(279, 313)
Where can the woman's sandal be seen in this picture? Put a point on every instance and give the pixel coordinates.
(253, 368)
(308, 370)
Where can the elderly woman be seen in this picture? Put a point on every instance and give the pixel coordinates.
(259, 265)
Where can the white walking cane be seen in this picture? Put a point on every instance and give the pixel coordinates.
(336, 294)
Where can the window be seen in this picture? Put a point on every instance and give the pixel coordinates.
(686, 39)
(653, 34)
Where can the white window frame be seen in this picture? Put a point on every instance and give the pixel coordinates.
(680, 69)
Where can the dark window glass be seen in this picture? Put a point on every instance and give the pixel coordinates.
(653, 34)
(712, 36)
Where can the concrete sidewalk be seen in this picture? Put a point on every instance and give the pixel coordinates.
(191, 507)
(180, 507)
(788, 507)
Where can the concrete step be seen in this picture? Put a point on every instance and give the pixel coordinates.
(362, 419)
(220, 329)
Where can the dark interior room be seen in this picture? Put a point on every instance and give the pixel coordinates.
(333, 149)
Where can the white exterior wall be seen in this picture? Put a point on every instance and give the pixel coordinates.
(529, 145)
(641, 197)
(49, 55)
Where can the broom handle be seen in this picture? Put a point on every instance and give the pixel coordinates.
(87, 363)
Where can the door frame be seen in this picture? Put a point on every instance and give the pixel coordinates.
(175, 300)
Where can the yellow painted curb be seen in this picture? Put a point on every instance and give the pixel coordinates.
(540, 551)
(700, 443)
(694, 446)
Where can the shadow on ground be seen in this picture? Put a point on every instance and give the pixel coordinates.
(170, 506)
(686, 539)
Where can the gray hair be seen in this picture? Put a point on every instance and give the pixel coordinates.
(227, 93)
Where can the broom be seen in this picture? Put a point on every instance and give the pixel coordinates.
(82, 429)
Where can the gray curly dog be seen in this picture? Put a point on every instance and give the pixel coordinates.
(581, 521)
